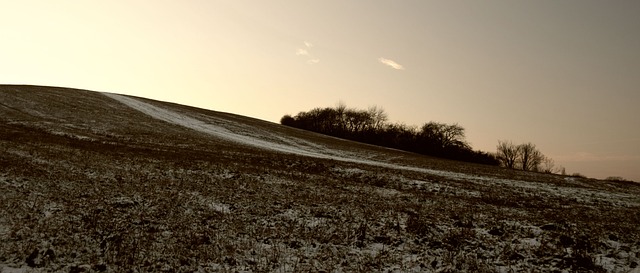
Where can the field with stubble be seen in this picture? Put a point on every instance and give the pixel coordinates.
(99, 182)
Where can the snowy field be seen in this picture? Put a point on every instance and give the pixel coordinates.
(99, 182)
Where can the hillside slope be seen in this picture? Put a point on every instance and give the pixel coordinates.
(104, 182)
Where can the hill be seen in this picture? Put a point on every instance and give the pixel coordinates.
(103, 182)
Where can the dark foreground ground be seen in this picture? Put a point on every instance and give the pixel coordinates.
(89, 184)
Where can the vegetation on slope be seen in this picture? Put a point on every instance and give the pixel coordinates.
(371, 126)
(89, 185)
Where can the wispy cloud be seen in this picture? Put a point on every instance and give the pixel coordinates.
(304, 51)
(391, 63)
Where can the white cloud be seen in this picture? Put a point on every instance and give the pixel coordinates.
(305, 52)
(391, 63)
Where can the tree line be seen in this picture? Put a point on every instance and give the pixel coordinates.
(371, 126)
(432, 138)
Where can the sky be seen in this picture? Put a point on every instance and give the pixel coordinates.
(564, 75)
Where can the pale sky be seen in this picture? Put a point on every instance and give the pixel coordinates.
(564, 75)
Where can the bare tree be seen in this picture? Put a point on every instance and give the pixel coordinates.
(379, 116)
(524, 156)
(508, 153)
(357, 120)
(341, 112)
(530, 157)
(548, 166)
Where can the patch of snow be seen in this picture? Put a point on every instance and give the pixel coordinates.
(348, 171)
(418, 183)
(211, 203)
(530, 242)
(7, 269)
(533, 230)
(607, 263)
(34, 157)
(276, 180)
(387, 192)
(4, 268)
(290, 214)
(372, 249)
(69, 135)
(611, 244)
(220, 207)
(50, 209)
(314, 222)
(123, 201)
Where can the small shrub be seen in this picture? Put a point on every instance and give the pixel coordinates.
(616, 179)
(578, 175)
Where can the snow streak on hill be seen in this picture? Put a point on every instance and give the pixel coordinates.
(293, 147)
(214, 130)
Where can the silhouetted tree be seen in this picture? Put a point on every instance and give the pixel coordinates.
(378, 116)
(530, 157)
(508, 153)
(524, 156)
(444, 135)
(370, 126)
(288, 120)
(549, 166)
(341, 110)
(357, 121)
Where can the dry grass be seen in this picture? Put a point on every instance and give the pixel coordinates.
(96, 187)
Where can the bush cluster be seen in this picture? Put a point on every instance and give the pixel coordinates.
(371, 126)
